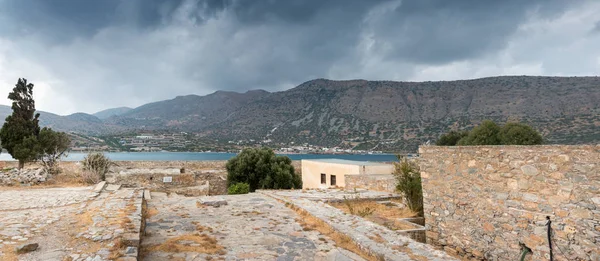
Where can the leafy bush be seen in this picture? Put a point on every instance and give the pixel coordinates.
(514, 133)
(97, 163)
(484, 134)
(451, 138)
(408, 177)
(262, 169)
(53, 145)
(238, 188)
(489, 133)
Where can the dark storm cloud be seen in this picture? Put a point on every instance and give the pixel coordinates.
(147, 50)
(440, 31)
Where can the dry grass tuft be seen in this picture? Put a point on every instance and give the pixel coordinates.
(377, 238)
(8, 253)
(185, 179)
(197, 243)
(378, 213)
(201, 228)
(379, 210)
(84, 219)
(117, 250)
(310, 222)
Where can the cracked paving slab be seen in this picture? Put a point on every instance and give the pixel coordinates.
(67, 223)
(248, 227)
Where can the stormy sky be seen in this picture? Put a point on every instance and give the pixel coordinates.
(89, 55)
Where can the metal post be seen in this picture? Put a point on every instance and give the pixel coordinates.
(549, 224)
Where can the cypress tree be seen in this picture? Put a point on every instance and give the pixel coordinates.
(21, 129)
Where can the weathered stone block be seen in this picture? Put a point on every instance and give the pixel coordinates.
(26, 248)
(529, 170)
(507, 203)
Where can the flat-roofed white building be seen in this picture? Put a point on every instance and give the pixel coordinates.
(326, 173)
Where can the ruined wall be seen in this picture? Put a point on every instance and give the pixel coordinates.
(150, 174)
(481, 201)
(378, 182)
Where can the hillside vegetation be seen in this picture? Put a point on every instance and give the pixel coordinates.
(384, 115)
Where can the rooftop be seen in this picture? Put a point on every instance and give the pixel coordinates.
(348, 162)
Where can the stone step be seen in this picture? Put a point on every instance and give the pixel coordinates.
(100, 186)
(113, 187)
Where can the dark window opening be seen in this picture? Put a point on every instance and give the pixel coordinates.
(332, 180)
(323, 178)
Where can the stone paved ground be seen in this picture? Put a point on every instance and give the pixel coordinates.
(372, 237)
(249, 227)
(67, 223)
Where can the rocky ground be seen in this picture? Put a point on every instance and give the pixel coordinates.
(67, 223)
(105, 222)
(241, 227)
(15, 176)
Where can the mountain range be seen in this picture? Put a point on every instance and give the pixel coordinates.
(383, 115)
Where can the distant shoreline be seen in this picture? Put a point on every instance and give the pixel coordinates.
(213, 156)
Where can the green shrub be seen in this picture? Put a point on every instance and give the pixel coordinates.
(408, 179)
(484, 134)
(514, 133)
(97, 163)
(238, 188)
(451, 138)
(489, 133)
(262, 169)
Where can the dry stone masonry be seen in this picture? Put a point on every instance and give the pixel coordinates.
(482, 201)
(377, 182)
(11, 177)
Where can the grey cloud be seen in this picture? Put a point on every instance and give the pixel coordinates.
(440, 31)
(109, 53)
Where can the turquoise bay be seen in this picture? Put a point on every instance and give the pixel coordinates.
(202, 156)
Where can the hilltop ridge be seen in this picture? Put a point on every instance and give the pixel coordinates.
(386, 115)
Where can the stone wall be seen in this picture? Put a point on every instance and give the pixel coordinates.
(482, 201)
(191, 176)
(376, 182)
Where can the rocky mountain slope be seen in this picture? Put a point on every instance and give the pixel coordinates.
(186, 113)
(111, 112)
(381, 115)
(402, 115)
(77, 122)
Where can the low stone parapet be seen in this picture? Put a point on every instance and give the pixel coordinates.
(375, 182)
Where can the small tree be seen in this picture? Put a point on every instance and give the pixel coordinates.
(53, 145)
(20, 130)
(238, 188)
(262, 169)
(514, 133)
(451, 138)
(408, 179)
(97, 163)
(484, 134)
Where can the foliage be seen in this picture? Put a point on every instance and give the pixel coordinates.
(451, 138)
(20, 130)
(408, 177)
(262, 169)
(514, 133)
(52, 145)
(238, 188)
(484, 134)
(489, 133)
(97, 163)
